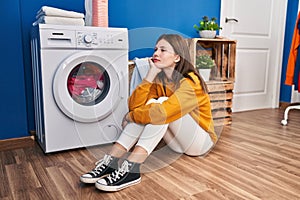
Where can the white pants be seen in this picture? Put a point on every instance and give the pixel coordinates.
(183, 136)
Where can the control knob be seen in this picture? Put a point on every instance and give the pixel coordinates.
(88, 39)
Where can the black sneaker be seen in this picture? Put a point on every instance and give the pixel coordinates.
(103, 168)
(127, 175)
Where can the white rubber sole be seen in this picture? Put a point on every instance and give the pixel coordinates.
(90, 180)
(108, 188)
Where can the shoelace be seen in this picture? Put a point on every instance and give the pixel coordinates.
(119, 173)
(101, 165)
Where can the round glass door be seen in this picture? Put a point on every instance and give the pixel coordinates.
(86, 87)
(88, 83)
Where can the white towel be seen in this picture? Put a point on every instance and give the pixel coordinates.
(59, 20)
(139, 72)
(51, 11)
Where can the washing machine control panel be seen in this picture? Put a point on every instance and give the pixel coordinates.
(85, 39)
(101, 39)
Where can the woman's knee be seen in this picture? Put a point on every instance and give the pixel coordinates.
(201, 148)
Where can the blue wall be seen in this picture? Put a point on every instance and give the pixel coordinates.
(146, 20)
(13, 120)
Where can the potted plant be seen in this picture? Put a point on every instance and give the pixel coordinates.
(204, 64)
(207, 28)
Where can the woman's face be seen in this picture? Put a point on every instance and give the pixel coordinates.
(164, 55)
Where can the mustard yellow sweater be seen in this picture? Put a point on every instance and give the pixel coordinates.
(188, 98)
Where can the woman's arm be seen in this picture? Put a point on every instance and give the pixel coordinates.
(185, 99)
(146, 90)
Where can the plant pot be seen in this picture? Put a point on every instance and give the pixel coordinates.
(205, 74)
(207, 34)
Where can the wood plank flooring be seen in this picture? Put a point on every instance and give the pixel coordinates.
(255, 158)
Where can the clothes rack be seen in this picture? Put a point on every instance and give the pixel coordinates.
(286, 113)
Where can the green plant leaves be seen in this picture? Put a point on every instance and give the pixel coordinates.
(207, 24)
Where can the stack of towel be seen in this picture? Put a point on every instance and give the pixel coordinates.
(50, 15)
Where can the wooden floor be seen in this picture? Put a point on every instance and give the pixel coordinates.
(255, 158)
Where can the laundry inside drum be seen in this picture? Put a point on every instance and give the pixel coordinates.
(88, 83)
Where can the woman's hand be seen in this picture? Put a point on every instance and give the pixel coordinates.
(126, 120)
(152, 72)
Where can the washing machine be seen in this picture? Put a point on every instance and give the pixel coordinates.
(80, 79)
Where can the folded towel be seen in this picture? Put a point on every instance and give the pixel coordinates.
(51, 11)
(139, 72)
(59, 20)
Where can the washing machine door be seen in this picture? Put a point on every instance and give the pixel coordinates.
(86, 87)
